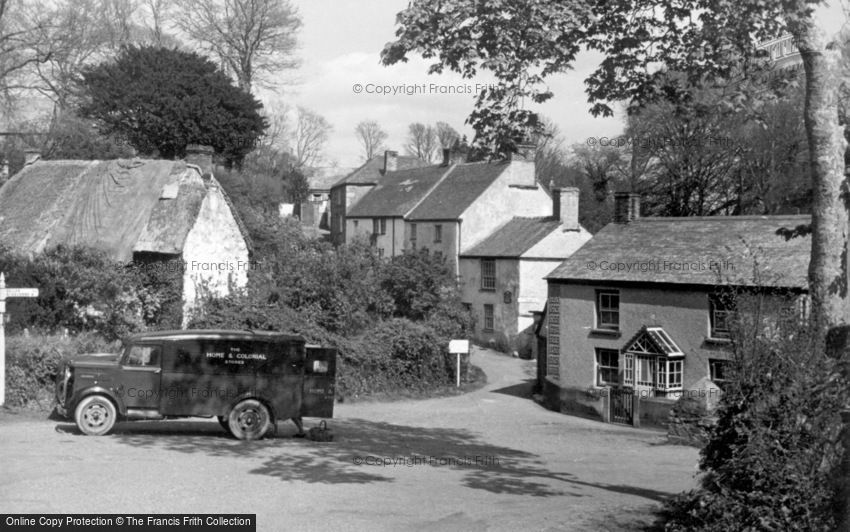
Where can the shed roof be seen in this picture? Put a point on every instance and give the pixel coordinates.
(731, 250)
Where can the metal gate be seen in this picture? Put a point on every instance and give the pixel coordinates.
(622, 406)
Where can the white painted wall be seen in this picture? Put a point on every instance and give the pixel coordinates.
(215, 252)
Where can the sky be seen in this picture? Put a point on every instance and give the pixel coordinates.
(340, 45)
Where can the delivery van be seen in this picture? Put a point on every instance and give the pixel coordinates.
(247, 379)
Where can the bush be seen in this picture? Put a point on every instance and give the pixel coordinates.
(32, 363)
(769, 457)
(81, 289)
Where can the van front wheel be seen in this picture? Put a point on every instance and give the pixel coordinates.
(249, 420)
(95, 415)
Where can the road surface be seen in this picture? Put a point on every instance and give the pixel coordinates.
(488, 460)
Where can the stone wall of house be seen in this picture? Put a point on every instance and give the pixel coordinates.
(215, 252)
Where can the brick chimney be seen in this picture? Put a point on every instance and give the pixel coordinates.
(626, 207)
(390, 161)
(200, 156)
(31, 156)
(565, 207)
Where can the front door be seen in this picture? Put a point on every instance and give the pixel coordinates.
(141, 370)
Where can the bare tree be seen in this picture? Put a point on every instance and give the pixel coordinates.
(158, 12)
(21, 46)
(421, 141)
(370, 134)
(309, 136)
(252, 38)
(446, 135)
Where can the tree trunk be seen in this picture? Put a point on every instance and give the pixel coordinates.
(827, 267)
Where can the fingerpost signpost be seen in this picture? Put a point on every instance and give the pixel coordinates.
(6, 293)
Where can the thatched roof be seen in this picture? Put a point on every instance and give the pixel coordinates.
(119, 206)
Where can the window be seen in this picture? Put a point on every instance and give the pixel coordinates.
(654, 372)
(718, 372)
(356, 222)
(488, 274)
(438, 233)
(413, 236)
(607, 366)
(720, 315)
(381, 252)
(488, 318)
(608, 309)
(143, 355)
(379, 226)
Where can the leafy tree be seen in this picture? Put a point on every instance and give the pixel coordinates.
(416, 281)
(252, 38)
(161, 100)
(522, 43)
(371, 136)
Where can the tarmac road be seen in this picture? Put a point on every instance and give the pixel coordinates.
(488, 460)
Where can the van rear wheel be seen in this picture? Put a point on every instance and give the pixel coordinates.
(249, 420)
(95, 415)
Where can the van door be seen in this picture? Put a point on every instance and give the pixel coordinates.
(319, 386)
(139, 380)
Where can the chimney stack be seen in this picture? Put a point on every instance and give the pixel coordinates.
(626, 207)
(565, 207)
(390, 161)
(525, 152)
(200, 156)
(31, 156)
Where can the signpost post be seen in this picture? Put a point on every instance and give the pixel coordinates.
(4, 294)
(458, 347)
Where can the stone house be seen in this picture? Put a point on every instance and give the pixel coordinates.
(639, 308)
(151, 212)
(503, 275)
(346, 192)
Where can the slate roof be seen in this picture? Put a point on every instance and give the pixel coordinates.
(514, 238)
(398, 192)
(323, 178)
(458, 190)
(370, 172)
(731, 250)
(119, 206)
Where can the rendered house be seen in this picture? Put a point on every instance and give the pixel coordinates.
(314, 211)
(503, 275)
(448, 207)
(136, 210)
(638, 308)
(346, 192)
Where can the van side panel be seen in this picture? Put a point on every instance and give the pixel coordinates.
(319, 386)
(206, 377)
